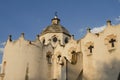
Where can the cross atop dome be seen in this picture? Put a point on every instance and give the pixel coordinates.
(56, 16)
(55, 20)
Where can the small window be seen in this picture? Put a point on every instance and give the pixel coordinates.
(74, 57)
(66, 40)
(49, 57)
(54, 39)
(59, 56)
(60, 61)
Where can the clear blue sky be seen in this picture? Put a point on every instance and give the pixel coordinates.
(32, 16)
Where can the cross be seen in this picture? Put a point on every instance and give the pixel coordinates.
(56, 14)
(90, 48)
(112, 42)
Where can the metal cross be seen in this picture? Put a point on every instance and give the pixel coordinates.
(56, 14)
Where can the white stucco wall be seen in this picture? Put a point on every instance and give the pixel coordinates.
(21, 55)
(104, 62)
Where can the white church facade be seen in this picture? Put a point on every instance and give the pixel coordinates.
(56, 55)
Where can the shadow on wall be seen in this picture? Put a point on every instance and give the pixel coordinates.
(109, 71)
(106, 71)
(75, 70)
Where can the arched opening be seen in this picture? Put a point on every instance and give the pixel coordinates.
(66, 40)
(74, 57)
(49, 57)
(59, 56)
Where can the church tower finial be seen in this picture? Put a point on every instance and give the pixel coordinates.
(55, 20)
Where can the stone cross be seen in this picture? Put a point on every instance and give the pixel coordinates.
(112, 42)
(90, 48)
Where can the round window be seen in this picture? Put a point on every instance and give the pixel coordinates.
(54, 39)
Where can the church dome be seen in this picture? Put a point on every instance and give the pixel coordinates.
(55, 27)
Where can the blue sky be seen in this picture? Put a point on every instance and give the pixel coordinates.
(32, 16)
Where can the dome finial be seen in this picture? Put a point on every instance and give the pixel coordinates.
(55, 20)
